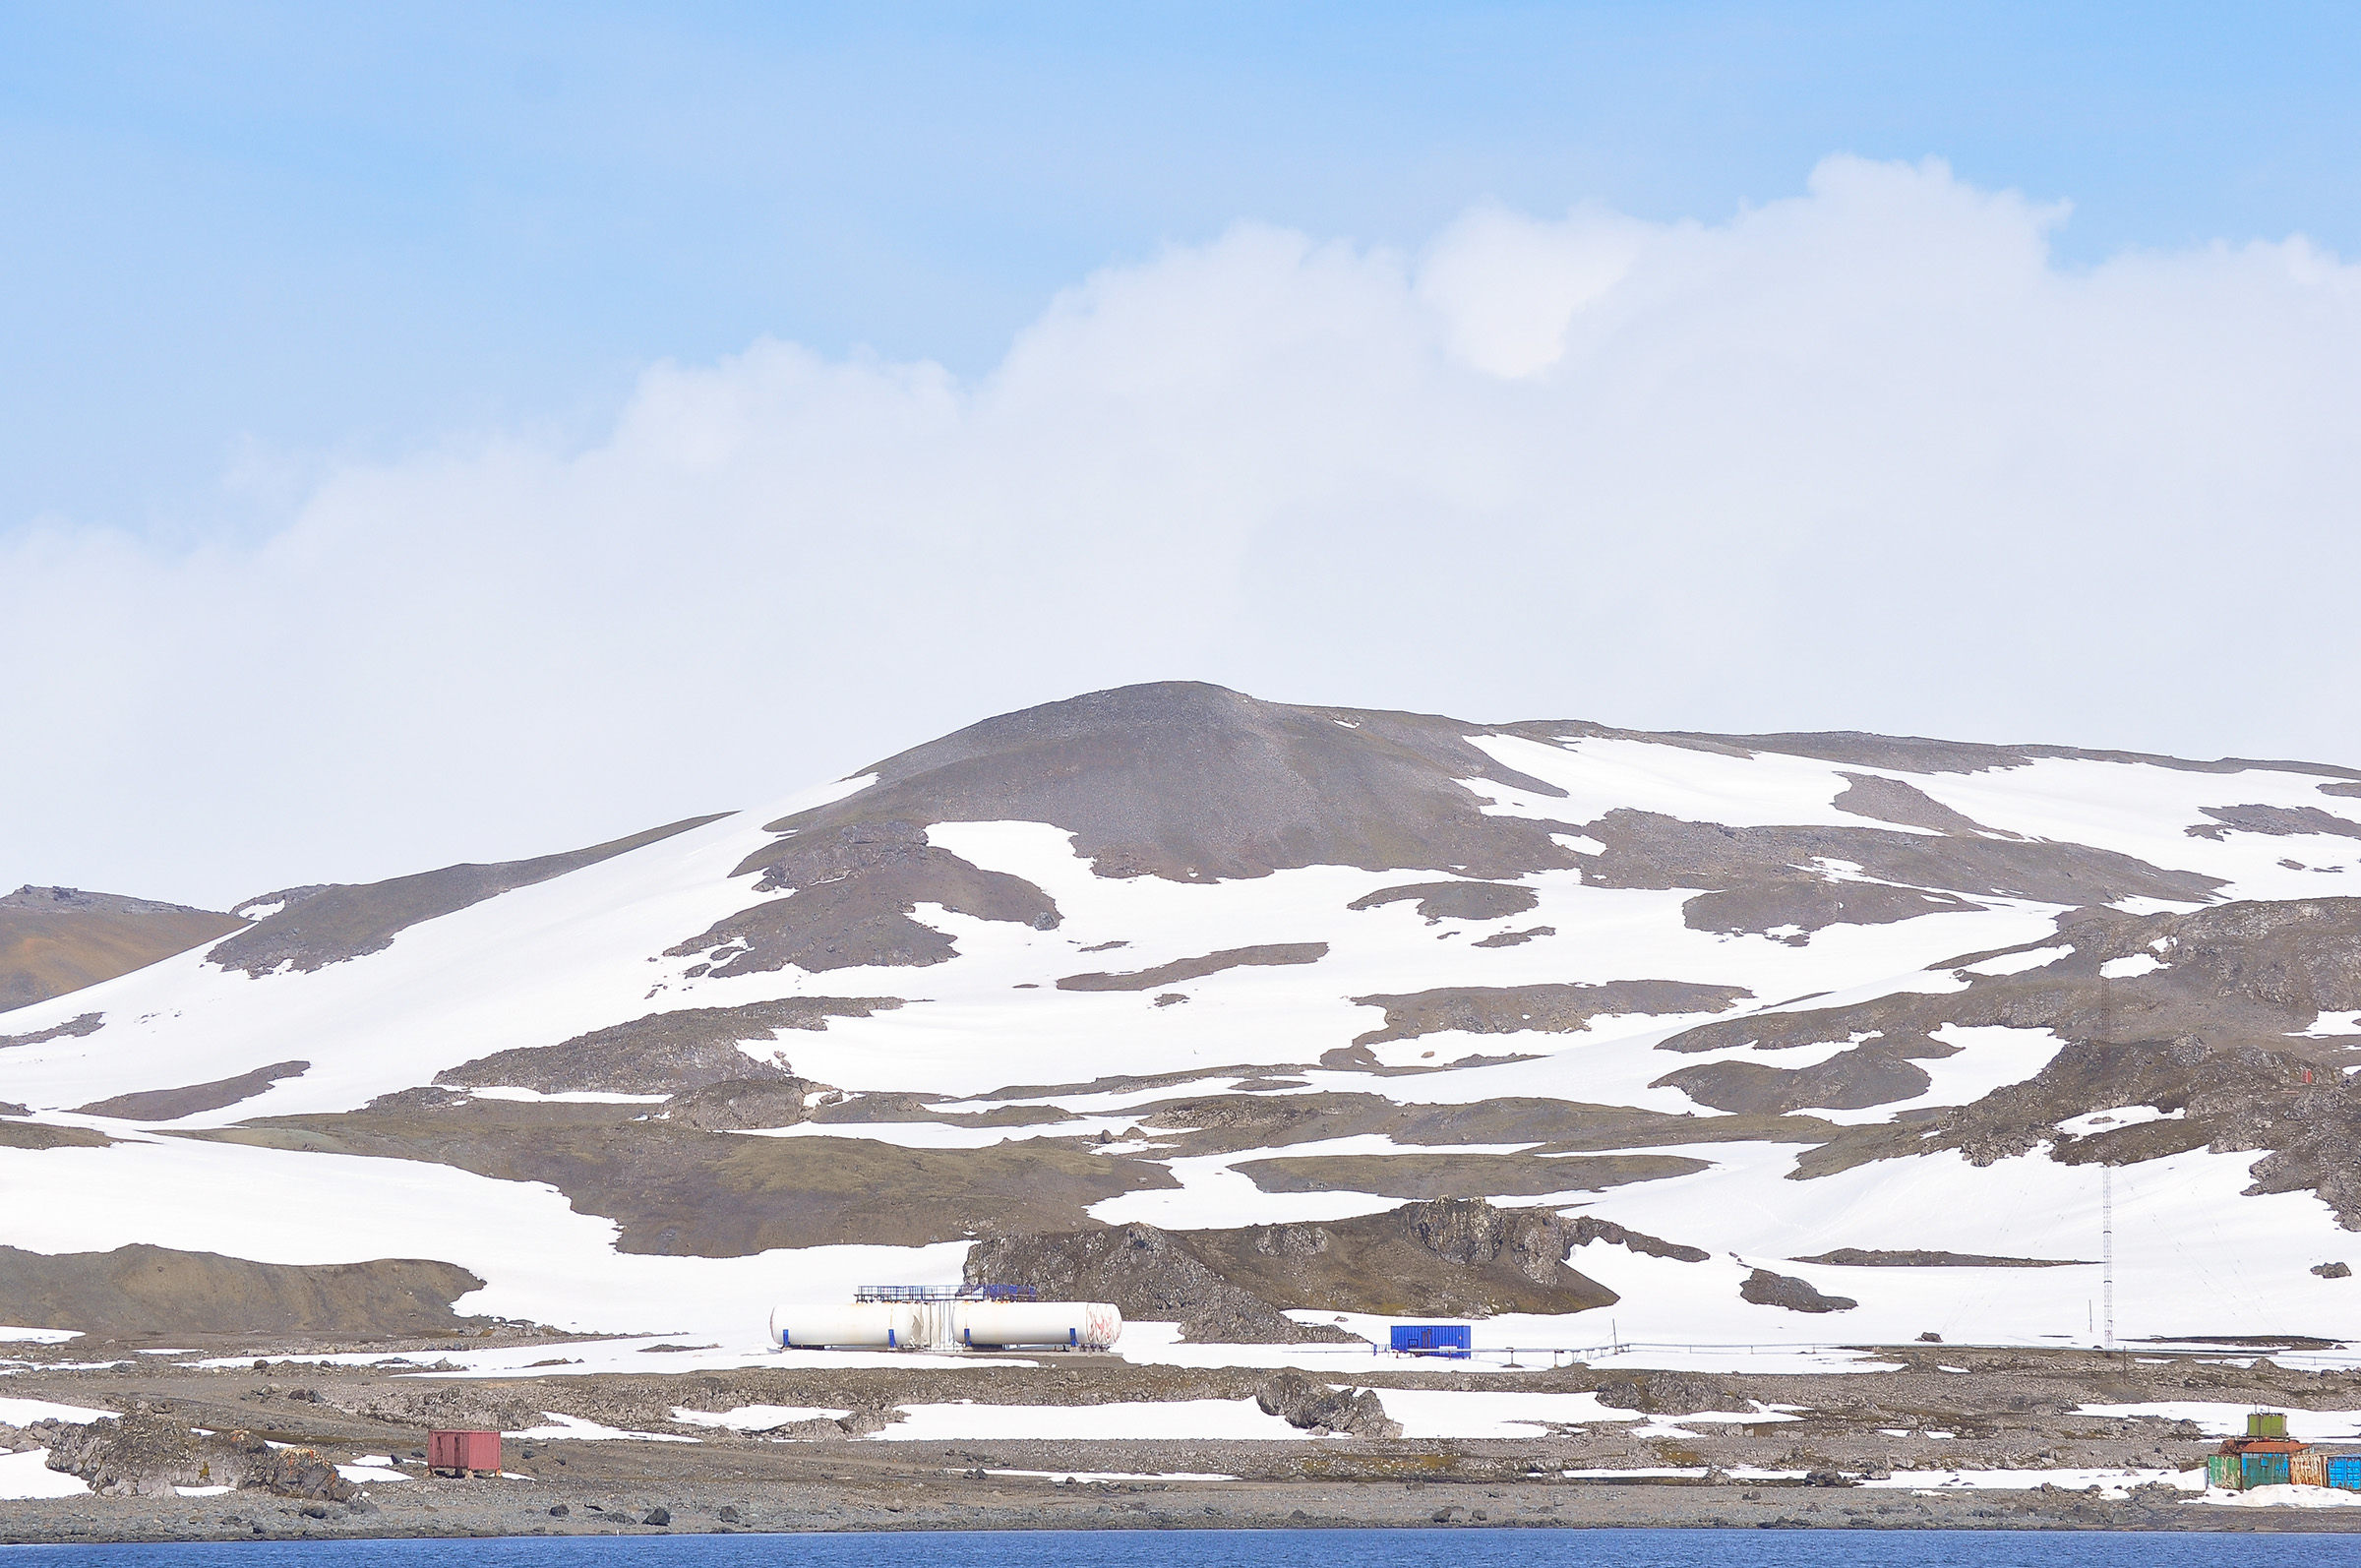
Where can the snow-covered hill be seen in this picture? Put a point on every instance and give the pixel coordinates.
(1856, 1011)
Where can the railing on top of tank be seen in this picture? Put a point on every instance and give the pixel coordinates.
(936, 1293)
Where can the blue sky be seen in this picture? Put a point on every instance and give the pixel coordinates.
(448, 432)
(294, 230)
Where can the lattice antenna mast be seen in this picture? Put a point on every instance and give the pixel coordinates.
(2106, 1193)
(2106, 1254)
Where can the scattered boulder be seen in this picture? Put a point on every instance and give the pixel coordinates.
(656, 1516)
(2332, 1271)
(1314, 1407)
(300, 1472)
(1766, 1289)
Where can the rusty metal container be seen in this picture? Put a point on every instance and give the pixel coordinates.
(2308, 1470)
(464, 1453)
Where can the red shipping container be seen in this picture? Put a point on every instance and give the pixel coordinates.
(463, 1451)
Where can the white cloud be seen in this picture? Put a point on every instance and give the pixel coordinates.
(1863, 458)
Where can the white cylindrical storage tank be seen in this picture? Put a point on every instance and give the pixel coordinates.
(1078, 1325)
(804, 1325)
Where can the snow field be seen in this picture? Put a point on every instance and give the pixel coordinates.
(2114, 1484)
(543, 1260)
(1211, 1419)
(28, 1476)
(756, 1417)
(540, 964)
(561, 1427)
(2219, 1420)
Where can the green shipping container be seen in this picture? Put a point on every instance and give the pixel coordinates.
(2222, 1470)
(2264, 1469)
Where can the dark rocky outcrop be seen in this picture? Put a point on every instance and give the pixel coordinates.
(340, 922)
(2333, 1271)
(1450, 1258)
(1315, 1407)
(1152, 1275)
(1766, 1289)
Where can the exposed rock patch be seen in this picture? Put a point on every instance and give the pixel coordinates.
(1445, 1258)
(1180, 969)
(1856, 1258)
(2276, 820)
(342, 921)
(59, 939)
(1852, 1080)
(1152, 1275)
(664, 1053)
(152, 1289)
(42, 1135)
(679, 1192)
(1586, 1228)
(1765, 878)
(73, 1028)
(735, 1104)
(1670, 1394)
(170, 1105)
(1449, 1257)
(1888, 799)
(1544, 1008)
(1195, 783)
(1766, 1289)
(1514, 938)
(854, 888)
(1461, 1175)
(1454, 900)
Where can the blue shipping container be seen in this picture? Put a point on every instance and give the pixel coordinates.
(1433, 1339)
(2345, 1472)
(2264, 1469)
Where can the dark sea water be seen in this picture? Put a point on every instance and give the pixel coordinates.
(1273, 1549)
